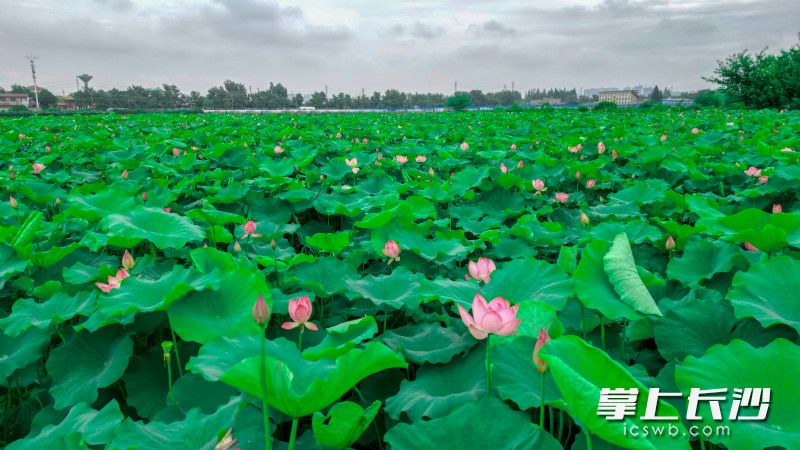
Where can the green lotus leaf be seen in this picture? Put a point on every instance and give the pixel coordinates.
(738, 365)
(768, 292)
(692, 325)
(299, 387)
(164, 230)
(593, 288)
(81, 426)
(330, 242)
(623, 275)
(20, 350)
(393, 291)
(701, 260)
(542, 282)
(342, 337)
(87, 362)
(427, 343)
(487, 423)
(581, 371)
(10, 264)
(514, 374)
(343, 424)
(27, 313)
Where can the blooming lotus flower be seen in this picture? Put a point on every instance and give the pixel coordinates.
(421, 158)
(750, 247)
(513, 146)
(541, 340)
(763, 179)
(355, 170)
(776, 208)
(575, 149)
(364, 141)
(300, 311)
(663, 137)
(260, 310)
(167, 210)
(584, 218)
(695, 130)
(495, 317)
(21, 136)
(113, 281)
(538, 185)
(614, 154)
(176, 151)
(753, 171)
(562, 197)
(503, 168)
(670, 243)
(37, 168)
(278, 149)
(128, 262)
(338, 135)
(124, 174)
(464, 146)
(601, 148)
(250, 229)
(590, 183)
(786, 149)
(401, 159)
(481, 269)
(392, 250)
(352, 162)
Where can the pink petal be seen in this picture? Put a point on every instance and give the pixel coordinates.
(292, 308)
(476, 333)
(479, 308)
(491, 322)
(465, 317)
(509, 328)
(311, 326)
(289, 325)
(498, 303)
(473, 270)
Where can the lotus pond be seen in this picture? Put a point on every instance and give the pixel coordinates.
(399, 281)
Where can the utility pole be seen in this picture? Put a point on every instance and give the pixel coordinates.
(326, 90)
(33, 59)
(362, 92)
(455, 87)
(512, 85)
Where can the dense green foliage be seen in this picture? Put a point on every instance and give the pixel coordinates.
(762, 80)
(458, 102)
(392, 364)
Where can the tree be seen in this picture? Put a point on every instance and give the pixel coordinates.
(318, 100)
(656, 96)
(297, 100)
(47, 99)
(458, 102)
(394, 99)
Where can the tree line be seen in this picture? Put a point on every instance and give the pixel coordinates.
(234, 95)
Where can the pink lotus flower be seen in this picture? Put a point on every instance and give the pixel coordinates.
(763, 179)
(601, 148)
(37, 168)
(352, 162)
(278, 149)
(513, 146)
(167, 210)
(562, 197)
(392, 250)
(584, 218)
(495, 317)
(430, 171)
(12, 202)
(421, 158)
(538, 185)
(541, 340)
(590, 183)
(21, 136)
(300, 311)
(663, 137)
(144, 196)
(575, 149)
(364, 141)
(124, 174)
(355, 170)
(128, 262)
(695, 130)
(464, 146)
(670, 243)
(786, 149)
(237, 247)
(614, 154)
(113, 281)
(578, 175)
(520, 164)
(176, 151)
(481, 270)
(260, 310)
(503, 168)
(401, 159)
(776, 208)
(338, 135)
(250, 229)
(47, 148)
(753, 171)
(750, 247)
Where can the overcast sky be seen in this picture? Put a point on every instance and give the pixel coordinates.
(413, 45)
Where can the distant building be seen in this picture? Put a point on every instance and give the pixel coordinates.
(7, 100)
(66, 102)
(620, 97)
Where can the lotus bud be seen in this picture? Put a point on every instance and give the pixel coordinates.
(144, 196)
(584, 218)
(590, 183)
(128, 262)
(777, 208)
(124, 174)
(670, 243)
(166, 346)
(464, 146)
(237, 247)
(176, 151)
(12, 202)
(261, 310)
(541, 340)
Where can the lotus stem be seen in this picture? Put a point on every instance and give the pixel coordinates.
(300, 339)
(488, 365)
(588, 440)
(177, 354)
(702, 443)
(603, 332)
(293, 433)
(541, 407)
(264, 405)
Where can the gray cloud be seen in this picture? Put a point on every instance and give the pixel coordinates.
(352, 44)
